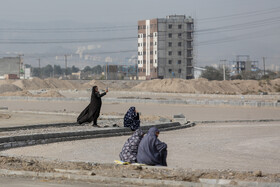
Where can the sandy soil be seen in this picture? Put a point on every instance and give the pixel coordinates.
(201, 86)
(239, 147)
(165, 110)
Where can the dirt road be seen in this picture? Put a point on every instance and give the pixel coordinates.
(240, 147)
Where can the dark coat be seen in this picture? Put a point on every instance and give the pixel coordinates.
(151, 150)
(130, 148)
(92, 111)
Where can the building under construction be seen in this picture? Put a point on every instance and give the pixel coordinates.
(10, 67)
(244, 64)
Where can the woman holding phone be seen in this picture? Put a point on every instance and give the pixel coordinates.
(92, 111)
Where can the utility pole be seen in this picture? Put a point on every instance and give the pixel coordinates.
(39, 67)
(20, 63)
(65, 58)
(224, 69)
(263, 65)
(107, 71)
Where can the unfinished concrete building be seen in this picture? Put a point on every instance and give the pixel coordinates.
(165, 47)
(10, 66)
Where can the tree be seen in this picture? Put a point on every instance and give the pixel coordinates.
(57, 70)
(97, 69)
(35, 72)
(74, 69)
(87, 69)
(47, 71)
(212, 73)
(251, 75)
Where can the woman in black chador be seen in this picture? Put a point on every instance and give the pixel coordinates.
(92, 111)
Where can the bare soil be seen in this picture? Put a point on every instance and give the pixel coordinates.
(198, 86)
(132, 171)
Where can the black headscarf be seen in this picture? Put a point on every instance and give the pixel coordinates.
(150, 148)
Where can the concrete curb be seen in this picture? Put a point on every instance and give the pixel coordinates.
(34, 139)
(87, 177)
(211, 102)
(102, 179)
(39, 126)
(236, 121)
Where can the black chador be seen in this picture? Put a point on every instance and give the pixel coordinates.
(92, 111)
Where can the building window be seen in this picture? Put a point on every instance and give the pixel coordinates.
(170, 70)
(151, 61)
(151, 52)
(139, 44)
(155, 52)
(144, 43)
(155, 69)
(144, 53)
(179, 44)
(144, 70)
(179, 26)
(138, 35)
(170, 26)
(169, 53)
(155, 34)
(155, 60)
(180, 35)
(138, 61)
(169, 61)
(144, 26)
(144, 61)
(151, 43)
(169, 35)
(169, 44)
(139, 53)
(144, 35)
(179, 53)
(179, 70)
(155, 43)
(179, 61)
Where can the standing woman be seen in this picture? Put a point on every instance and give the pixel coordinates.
(92, 111)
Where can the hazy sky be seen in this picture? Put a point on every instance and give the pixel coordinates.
(260, 40)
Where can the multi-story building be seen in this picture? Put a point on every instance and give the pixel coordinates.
(165, 47)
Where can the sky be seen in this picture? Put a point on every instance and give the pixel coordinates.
(257, 39)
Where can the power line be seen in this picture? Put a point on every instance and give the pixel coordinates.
(7, 41)
(238, 15)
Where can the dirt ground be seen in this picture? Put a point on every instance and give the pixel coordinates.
(197, 113)
(198, 86)
(238, 147)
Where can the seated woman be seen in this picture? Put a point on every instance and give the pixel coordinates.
(131, 119)
(130, 148)
(151, 150)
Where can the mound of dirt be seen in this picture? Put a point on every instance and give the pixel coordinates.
(18, 93)
(203, 86)
(25, 93)
(4, 88)
(62, 84)
(92, 83)
(31, 84)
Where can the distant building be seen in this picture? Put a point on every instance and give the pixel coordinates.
(9, 65)
(165, 47)
(244, 64)
(197, 72)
